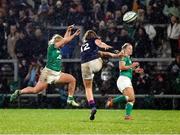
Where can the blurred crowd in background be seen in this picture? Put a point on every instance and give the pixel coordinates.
(24, 34)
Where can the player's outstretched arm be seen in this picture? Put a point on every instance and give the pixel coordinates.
(68, 31)
(67, 39)
(101, 44)
(109, 54)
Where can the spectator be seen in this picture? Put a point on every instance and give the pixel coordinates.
(109, 16)
(157, 8)
(141, 43)
(58, 14)
(4, 88)
(118, 17)
(23, 19)
(2, 37)
(141, 15)
(159, 84)
(111, 6)
(173, 33)
(171, 8)
(42, 11)
(11, 18)
(149, 17)
(111, 37)
(136, 5)
(38, 45)
(11, 41)
(21, 49)
(75, 15)
(97, 11)
(43, 8)
(124, 9)
(33, 73)
(23, 70)
(123, 38)
(174, 75)
(150, 30)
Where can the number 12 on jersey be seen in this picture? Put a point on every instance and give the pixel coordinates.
(85, 47)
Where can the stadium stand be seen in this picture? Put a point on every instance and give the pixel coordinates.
(26, 26)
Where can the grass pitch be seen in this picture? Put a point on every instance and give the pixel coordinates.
(61, 121)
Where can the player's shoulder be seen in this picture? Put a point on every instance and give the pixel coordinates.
(123, 58)
(94, 39)
(51, 46)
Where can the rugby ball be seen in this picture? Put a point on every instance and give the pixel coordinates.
(129, 16)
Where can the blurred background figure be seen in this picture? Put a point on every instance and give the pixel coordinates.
(173, 33)
(27, 25)
(11, 41)
(174, 75)
(33, 73)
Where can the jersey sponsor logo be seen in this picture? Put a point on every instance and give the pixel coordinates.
(59, 57)
(85, 47)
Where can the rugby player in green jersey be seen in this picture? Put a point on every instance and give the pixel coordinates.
(124, 83)
(52, 74)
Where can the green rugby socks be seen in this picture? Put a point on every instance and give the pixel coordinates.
(120, 99)
(129, 107)
(70, 98)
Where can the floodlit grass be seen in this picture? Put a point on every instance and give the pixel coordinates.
(63, 121)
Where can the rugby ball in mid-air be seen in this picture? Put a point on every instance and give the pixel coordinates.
(129, 16)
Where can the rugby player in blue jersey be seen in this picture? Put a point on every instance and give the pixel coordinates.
(91, 62)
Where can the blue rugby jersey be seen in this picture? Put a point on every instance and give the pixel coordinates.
(89, 51)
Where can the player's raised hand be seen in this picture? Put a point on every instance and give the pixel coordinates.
(69, 31)
(77, 32)
(121, 53)
(116, 51)
(135, 64)
(70, 27)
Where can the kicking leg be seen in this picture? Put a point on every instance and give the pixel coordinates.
(40, 86)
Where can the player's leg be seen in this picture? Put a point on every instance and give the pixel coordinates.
(117, 100)
(129, 92)
(71, 81)
(122, 84)
(88, 69)
(90, 97)
(40, 86)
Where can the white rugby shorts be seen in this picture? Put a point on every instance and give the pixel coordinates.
(123, 82)
(49, 76)
(89, 68)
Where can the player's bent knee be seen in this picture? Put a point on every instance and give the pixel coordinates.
(35, 91)
(73, 79)
(134, 100)
(131, 99)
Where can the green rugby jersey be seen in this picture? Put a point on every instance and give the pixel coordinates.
(54, 58)
(128, 72)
